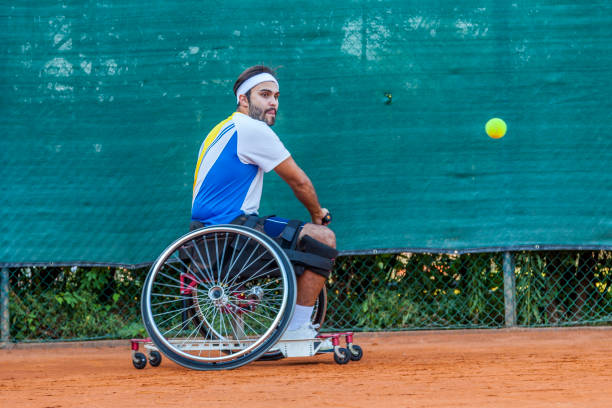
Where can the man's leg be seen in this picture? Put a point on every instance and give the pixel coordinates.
(309, 283)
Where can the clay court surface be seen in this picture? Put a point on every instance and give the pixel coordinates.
(482, 368)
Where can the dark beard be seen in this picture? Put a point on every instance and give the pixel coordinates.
(257, 113)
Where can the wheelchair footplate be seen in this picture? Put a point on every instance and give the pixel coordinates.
(323, 343)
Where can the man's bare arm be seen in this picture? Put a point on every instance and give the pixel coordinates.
(302, 187)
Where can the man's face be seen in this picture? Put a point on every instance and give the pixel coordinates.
(263, 103)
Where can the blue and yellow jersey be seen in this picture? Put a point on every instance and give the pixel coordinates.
(229, 172)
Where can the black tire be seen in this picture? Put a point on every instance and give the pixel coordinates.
(318, 316)
(139, 360)
(355, 352)
(186, 280)
(155, 358)
(342, 355)
(271, 356)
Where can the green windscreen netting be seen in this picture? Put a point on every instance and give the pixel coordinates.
(383, 103)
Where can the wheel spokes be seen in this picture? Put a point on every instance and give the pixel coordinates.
(230, 300)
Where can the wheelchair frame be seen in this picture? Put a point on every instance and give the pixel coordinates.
(222, 311)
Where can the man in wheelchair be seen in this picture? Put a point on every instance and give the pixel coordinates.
(228, 185)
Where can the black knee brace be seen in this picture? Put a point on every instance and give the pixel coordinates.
(313, 255)
(304, 253)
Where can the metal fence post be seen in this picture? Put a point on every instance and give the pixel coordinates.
(4, 303)
(509, 290)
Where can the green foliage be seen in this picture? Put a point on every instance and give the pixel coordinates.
(374, 292)
(565, 287)
(75, 303)
(400, 291)
(417, 291)
(388, 309)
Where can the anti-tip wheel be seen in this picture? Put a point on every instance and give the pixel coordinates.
(155, 358)
(355, 352)
(139, 360)
(342, 355)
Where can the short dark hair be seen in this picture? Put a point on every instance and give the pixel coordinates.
(251, 72)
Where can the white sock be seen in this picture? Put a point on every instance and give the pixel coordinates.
(301, 315)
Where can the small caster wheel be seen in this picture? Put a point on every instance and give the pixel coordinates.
(155, 358)
(355, 352)
(139, 360)
(342, 355)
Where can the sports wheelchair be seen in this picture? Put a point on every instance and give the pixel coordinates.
(222, 296)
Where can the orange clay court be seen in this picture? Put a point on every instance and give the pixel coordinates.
(569, 367)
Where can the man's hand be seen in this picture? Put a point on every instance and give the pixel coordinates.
(327, 219)
(323, 217)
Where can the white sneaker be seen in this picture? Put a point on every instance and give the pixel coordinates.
(307, 331)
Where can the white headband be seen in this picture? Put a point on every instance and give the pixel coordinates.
(253, 81)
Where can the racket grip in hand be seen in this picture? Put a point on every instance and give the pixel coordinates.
(327, 219)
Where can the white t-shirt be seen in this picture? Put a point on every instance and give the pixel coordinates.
(231, 163)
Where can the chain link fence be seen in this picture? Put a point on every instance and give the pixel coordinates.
(399, 291)
(74, 303)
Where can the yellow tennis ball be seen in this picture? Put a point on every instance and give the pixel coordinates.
(496, 128)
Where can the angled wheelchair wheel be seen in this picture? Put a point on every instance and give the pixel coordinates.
(218, 297)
